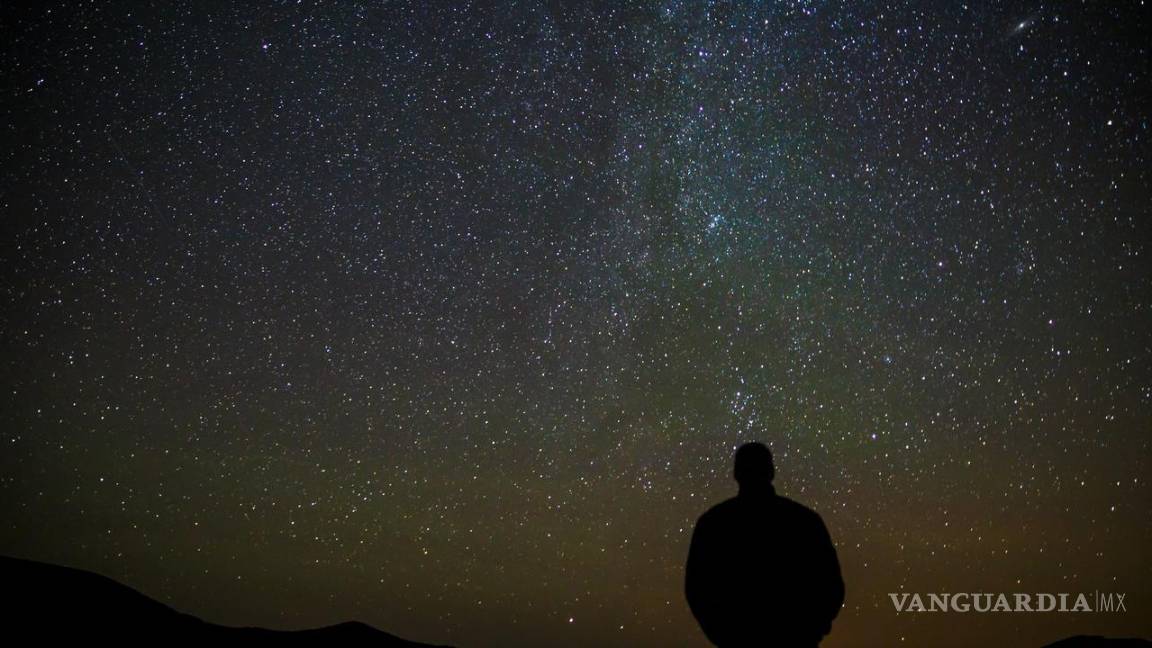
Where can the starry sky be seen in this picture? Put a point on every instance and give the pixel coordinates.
(447, 316)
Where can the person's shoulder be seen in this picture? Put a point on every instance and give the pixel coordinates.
(798, 510)
(720, 511)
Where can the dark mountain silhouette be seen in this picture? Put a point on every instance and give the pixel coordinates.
(1086, 641)
(46, 602)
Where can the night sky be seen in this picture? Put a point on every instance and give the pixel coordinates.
(448, 317)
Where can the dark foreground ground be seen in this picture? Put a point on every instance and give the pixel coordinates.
(49, 602)
(1084, 641)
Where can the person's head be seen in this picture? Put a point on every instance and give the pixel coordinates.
(754, 468)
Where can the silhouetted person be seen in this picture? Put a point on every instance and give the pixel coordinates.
(762, 570)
